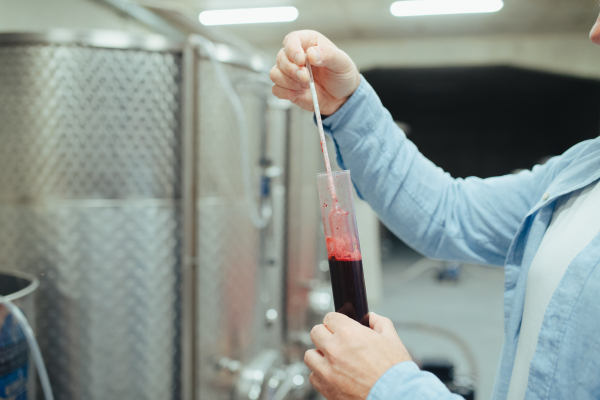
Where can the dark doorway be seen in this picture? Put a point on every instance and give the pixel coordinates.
(488, 121)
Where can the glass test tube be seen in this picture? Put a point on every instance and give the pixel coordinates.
(343, 247)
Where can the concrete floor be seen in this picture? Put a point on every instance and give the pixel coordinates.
(470, 310)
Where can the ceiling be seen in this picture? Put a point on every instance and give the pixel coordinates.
(372, 20)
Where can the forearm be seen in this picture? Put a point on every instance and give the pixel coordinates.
(406, 381)
(470, 220)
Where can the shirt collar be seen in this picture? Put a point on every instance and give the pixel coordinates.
(583, 170)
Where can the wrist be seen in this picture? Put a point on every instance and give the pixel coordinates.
(333, 106)
(336, 104)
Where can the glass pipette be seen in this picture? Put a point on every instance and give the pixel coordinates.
(338, 217)
(313, 91)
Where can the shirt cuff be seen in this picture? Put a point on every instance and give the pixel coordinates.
(356, 116)
(354, 119)
(407, 381)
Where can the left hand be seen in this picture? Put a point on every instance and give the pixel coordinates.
(350, 357)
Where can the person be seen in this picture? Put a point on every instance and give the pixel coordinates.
(542, 225)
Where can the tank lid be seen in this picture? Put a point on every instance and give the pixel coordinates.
(94, 38)
(31, 286)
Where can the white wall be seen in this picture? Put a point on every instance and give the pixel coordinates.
(40, 15)
(571, 54)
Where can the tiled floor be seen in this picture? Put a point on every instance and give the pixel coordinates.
(470, 310)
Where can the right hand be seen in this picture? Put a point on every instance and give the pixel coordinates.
(350, 358)
(336, 77)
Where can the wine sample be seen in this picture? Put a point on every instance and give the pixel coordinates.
(348, 284)
(343, 248)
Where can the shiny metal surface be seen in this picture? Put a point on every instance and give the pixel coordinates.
(168, 19)
(107, 307)
(230, 55)
(253, 382)
(239, 266)
(143, 15)
(18, 291)
(94, 38)
(90, 188)
(83, 123)
(295, 383)
(304, 222)
(121, 190)
(189, 224)
(129, 41)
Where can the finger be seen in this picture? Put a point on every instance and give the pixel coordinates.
(287, 67)
(287, 94)
(335, 322)
(296, 43)
(330, 57)
(301, 98)
(316, 382)
(321, 337)
(315, 361)
(320, 384)
(381, 324)
(281, 79)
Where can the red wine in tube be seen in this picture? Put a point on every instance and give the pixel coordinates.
(348, 284)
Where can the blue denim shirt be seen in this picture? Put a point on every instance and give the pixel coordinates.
(499, 221)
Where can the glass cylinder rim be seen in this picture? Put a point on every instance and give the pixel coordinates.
(334, 173)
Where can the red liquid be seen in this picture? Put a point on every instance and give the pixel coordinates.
(349, 293)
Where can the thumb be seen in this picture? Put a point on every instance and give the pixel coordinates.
(329, 57)
(295, 44)
(381, 324)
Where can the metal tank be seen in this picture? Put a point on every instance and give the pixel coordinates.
(121, 189)
(90, 203)
(240, 267)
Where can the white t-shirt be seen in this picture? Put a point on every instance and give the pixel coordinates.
(575, 222)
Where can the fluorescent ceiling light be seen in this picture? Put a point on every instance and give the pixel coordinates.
(410, 8)
(248, 15)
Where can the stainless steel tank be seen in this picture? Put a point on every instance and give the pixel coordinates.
(121, 190)
(240, 267)
(90, 203)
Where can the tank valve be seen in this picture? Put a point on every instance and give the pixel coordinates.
(271, 316)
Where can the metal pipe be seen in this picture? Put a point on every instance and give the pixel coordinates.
(190, 222)
(286, 219)
(144, 16)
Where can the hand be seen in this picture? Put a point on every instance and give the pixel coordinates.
(350, 357)
(595, 33)
(336, 77)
